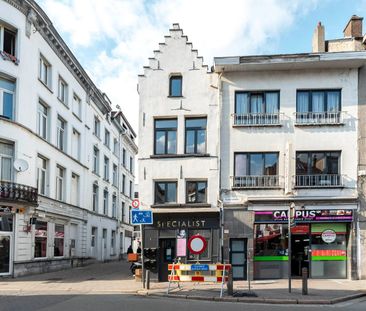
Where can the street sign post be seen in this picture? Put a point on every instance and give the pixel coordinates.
(140, 217)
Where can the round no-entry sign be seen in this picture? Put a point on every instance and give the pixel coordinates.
(135, 203)
(197, 244)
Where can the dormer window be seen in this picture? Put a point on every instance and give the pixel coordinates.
(175, 86)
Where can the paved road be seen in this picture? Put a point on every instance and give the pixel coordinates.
(136, 303)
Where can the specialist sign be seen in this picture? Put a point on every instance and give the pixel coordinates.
(139, 217)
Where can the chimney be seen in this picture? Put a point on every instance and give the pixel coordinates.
(353, 28)
(319, 39)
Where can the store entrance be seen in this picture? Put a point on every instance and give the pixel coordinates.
(300, 245)
(166, 256)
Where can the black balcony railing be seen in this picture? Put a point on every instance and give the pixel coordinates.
(265, 181)
(10, 191)
(256, 119)
(318, 181)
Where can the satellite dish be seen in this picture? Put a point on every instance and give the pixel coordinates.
(21, 165)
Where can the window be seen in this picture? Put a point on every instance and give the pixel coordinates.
(105, 201)
(113, 242)
(42, 175)
(114, 178)
(124, 157)
(256, 170)
(104, 238)
(93, 241)
(95, 197)
(175, 86)
(106, 168)
(59, 240)
(76, 105)
(115, 146)
(7, 94)
(96, 160)
(96, 131)
(318, 168)
(75, 144)
(61, 134)
(318, 106)
(131, 165)
(114, 205)
(62, 90)
(44, 71)
(40, 239)
(7, 40)
(42, 120)
(123, 212)
(60, 174)
(196, 191)
(130, 190)
(6, 161)
(165, 192)
(196, 136)
(106, 137)
(75, 189)
(166, 136)
(123, 183)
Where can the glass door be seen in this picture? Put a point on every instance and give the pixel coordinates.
(5, 254)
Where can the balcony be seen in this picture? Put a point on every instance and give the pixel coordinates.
(319, 118)
(318, 181)
(13, 192)
(256, 182)
(256, 119)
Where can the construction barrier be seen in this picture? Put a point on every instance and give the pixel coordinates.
(199, 272)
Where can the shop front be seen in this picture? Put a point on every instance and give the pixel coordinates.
(171, 231)
(319, 242)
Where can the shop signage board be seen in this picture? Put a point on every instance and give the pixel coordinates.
(185, 221)
(139, 217)
(329, 236)
(281, 216)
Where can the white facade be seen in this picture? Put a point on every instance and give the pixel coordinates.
(55, 107)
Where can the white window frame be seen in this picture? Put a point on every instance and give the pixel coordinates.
(75, 133)
(77, 190)
(76, 106)
(2, 91)
(45, 71)
(95, 197)
(42, 118)
(105, 201)
(60, 182)
(61, 134)
(114, 205)
(106, 168)
(114, 175)
(42, 174)
(62, 91)
(96, 130)
(107, 138)
(11, 158)
(15, 31)
(96, 154)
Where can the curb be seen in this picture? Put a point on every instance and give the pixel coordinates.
(257, 300)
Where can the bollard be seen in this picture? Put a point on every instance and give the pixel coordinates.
(304, 281)
(147, 279)
(230, 283)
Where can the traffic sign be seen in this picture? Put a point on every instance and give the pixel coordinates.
(139, 217)
(197, 244)
(135, 203)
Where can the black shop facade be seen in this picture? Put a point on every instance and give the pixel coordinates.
(171, 231)
(320, 241)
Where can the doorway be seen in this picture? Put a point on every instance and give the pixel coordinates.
(5, 254)
(300, 245)
(166, 256)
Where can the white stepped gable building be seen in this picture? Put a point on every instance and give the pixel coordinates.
(72, 201)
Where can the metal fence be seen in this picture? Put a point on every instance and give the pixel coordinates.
(318, 181)
(310, 118)
(248, 119)
(267, 181)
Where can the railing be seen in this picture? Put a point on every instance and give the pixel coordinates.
(319, 118)
(256, 119)
(318, 181)
(17, 192)
(267, 181)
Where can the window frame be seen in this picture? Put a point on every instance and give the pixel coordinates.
(310, 102)
(45, 76)
(156, 182)
(61, 132)
(2, 98)
(11, 158)
(106, 164)
(95, 197)
(96, 160)
(76, 99)
(310, 157)
(4, 27)
(171, 79)
(45, 173)
(105, 201)
(96, 129)
(166, 131)
(195, 129)
(196, 182)
(248, 154)
(60, 180)
(57, 238)
(107, 138)
(263, 93)
(63, 91)
(44, 117)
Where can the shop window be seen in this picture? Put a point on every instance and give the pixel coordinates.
(7, 96)
(165, 136)
(196, 191)
(175, 86)
(165, 192)
(195, 136)
(40, 239)
(270, 241)
(59, 240)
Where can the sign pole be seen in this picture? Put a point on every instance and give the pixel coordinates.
(142, 256)
(290, 216)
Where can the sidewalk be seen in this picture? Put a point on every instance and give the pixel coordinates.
(275, 292)
(115, 277)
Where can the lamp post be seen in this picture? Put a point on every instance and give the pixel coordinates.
(291, 219)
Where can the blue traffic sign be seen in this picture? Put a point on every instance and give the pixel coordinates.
(139, 217)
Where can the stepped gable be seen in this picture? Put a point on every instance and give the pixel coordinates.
(174, 33)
